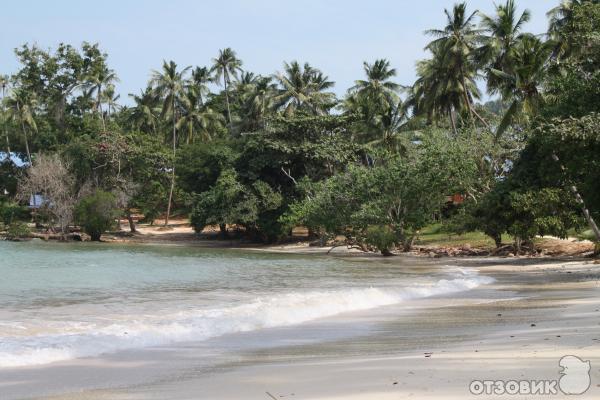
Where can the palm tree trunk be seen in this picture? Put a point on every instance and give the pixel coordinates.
(4, 125)
(586, 212)
(99, 106)
(225, 79)
(470, 104)
(452, 120)
(173, 167)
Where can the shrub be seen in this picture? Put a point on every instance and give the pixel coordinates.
(96, 213)
(11, 212)
(17, 230)
(382, 237)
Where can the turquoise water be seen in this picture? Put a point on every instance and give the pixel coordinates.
(63, 301)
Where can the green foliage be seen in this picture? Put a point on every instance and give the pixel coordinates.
(229, 202)
(12, 212)
(17, 230)
(382, 237)
(96, 213)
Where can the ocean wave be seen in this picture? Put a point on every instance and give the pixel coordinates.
(263, 312)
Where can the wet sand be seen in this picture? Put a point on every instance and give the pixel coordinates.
(517, 328)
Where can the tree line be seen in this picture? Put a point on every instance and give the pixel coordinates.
(263, 154)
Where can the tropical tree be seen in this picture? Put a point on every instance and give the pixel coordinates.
(201, 78)
(169, 86)
(225, 66)
(439, 90)
(561, 19)
(20, 107)
(197, 118)
(303, 88)
(143, 115)
(110, 97)
(100, 79)
(378, 88)
(502, 33)
(522, 86)
(458, 42)
(257, 102)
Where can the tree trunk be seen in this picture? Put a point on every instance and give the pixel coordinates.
(131, 222)
(225, 79)
(5, 130)
(586, 212)
(497, 240)
(95, 236)
(223, 230)
(173, 168)
(452, 121)
(99, 106)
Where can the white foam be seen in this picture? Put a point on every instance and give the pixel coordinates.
(263, 312)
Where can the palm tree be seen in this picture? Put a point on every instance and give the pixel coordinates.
(143, 115)
(458, 41)
(503, 33)
(169, 86)
(378, 87)
(97, 82)
(3, 87)
(110, 97)
(522, 86)
(198, 118)
(560, 17)
(225, 66)
(303, 89)
(438, 90)
(201, 78)
(21, 112)
(259, 100)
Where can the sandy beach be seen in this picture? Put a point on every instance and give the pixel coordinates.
(516, 328)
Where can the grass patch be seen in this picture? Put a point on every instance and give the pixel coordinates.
(435, 235)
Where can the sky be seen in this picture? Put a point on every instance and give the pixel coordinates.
(335, 36)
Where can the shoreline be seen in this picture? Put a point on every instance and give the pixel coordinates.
(431, 350)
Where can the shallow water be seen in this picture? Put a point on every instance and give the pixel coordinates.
(64, 301)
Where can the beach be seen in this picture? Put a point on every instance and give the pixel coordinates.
(518, 326)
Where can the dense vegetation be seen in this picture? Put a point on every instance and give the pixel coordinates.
(264, 154)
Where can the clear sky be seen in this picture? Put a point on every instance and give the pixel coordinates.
(335, 35)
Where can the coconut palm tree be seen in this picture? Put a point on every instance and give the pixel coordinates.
(303, 88)
(225, 66)
(20, 108)
(143, 115)
(378, 87)
(256, 94)
(201, 78)
(197, 118)
(522, 86)
(458, 41)
(503, 32)
(97, 82)
(110, 97)
(560, 17)
(169, 85)
(439, 90)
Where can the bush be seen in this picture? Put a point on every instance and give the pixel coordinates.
(17, 230)
(11, 212)
(382, 237)
(96, 213)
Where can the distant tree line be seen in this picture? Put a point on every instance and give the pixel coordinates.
(264, 154)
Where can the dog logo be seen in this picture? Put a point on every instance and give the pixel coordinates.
(575, 375)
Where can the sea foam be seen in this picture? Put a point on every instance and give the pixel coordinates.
(263, 312)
